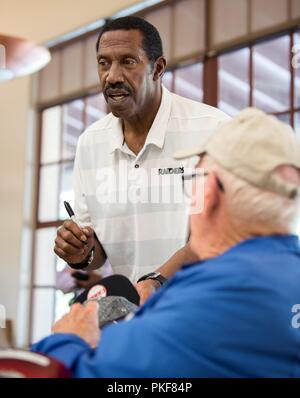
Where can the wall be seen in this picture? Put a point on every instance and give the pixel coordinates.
(38, 21)
(43, 20)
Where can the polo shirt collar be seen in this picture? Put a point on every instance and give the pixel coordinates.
(117, 138)
(157, 132)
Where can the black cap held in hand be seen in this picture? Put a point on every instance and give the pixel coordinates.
(114, 285)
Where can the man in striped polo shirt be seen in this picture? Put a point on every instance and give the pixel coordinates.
(127, 185)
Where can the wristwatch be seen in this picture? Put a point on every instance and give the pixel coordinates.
(156, 276)
(84, 263)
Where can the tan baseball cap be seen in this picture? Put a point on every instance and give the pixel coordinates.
(251, 146)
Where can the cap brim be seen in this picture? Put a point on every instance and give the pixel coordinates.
(188, 153)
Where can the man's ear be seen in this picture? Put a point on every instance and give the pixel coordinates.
(159, 68)
(211, 195)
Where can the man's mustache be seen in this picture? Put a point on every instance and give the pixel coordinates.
(112, 88)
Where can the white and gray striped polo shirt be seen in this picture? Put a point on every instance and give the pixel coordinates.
(130, 200)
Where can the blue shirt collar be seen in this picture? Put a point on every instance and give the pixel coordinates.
(273, 242)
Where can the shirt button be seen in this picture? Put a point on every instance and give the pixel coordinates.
(136, 166)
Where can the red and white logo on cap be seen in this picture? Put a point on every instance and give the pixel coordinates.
(97, 292)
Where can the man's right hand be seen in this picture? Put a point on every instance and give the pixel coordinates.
(72, 243)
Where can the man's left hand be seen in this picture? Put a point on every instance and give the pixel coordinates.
(146, 288)
(82, 321)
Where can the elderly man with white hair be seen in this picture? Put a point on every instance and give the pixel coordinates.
(233, 313)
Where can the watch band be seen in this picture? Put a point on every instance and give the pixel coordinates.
(157, 276)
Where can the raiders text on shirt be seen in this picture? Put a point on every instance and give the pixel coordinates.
(171, 170)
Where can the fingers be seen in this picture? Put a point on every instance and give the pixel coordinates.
(81, 320)
(143, 292)
(80, 312)
(88, 231)
(73, 243)
(56, 328)
(77, 312)
(145, 289)
(59, 252)
(144, 297)
(76, 308)
(92, 307)
(67, 247)
(71, 233)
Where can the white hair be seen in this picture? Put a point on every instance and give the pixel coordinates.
(249, 205)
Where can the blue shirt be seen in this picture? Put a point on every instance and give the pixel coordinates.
(230, 316)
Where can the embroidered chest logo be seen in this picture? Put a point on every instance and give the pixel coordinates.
(171, 170)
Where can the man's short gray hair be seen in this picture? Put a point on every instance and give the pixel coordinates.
(249, 205)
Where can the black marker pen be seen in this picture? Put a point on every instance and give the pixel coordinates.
(71, 214)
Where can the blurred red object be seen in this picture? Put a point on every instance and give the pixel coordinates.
(24, 364)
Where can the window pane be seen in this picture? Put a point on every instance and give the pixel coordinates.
(60, 264)
(62, 303)
(51, 132)
(72, 127)
(66, 189)
(266, 14)
(44, 271)
(297, 70)
(65, 283)
(188, 82)
(167, 80)
(295, 8)
(189, 37)
(90, 71)
(162, 19)
(286, 118)
(234, 87)
(49, 78)
(229, 20)
(72, 68)
(43, 312)
(56, 185)
(48, 198)
(272, 75)
(95, 108)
